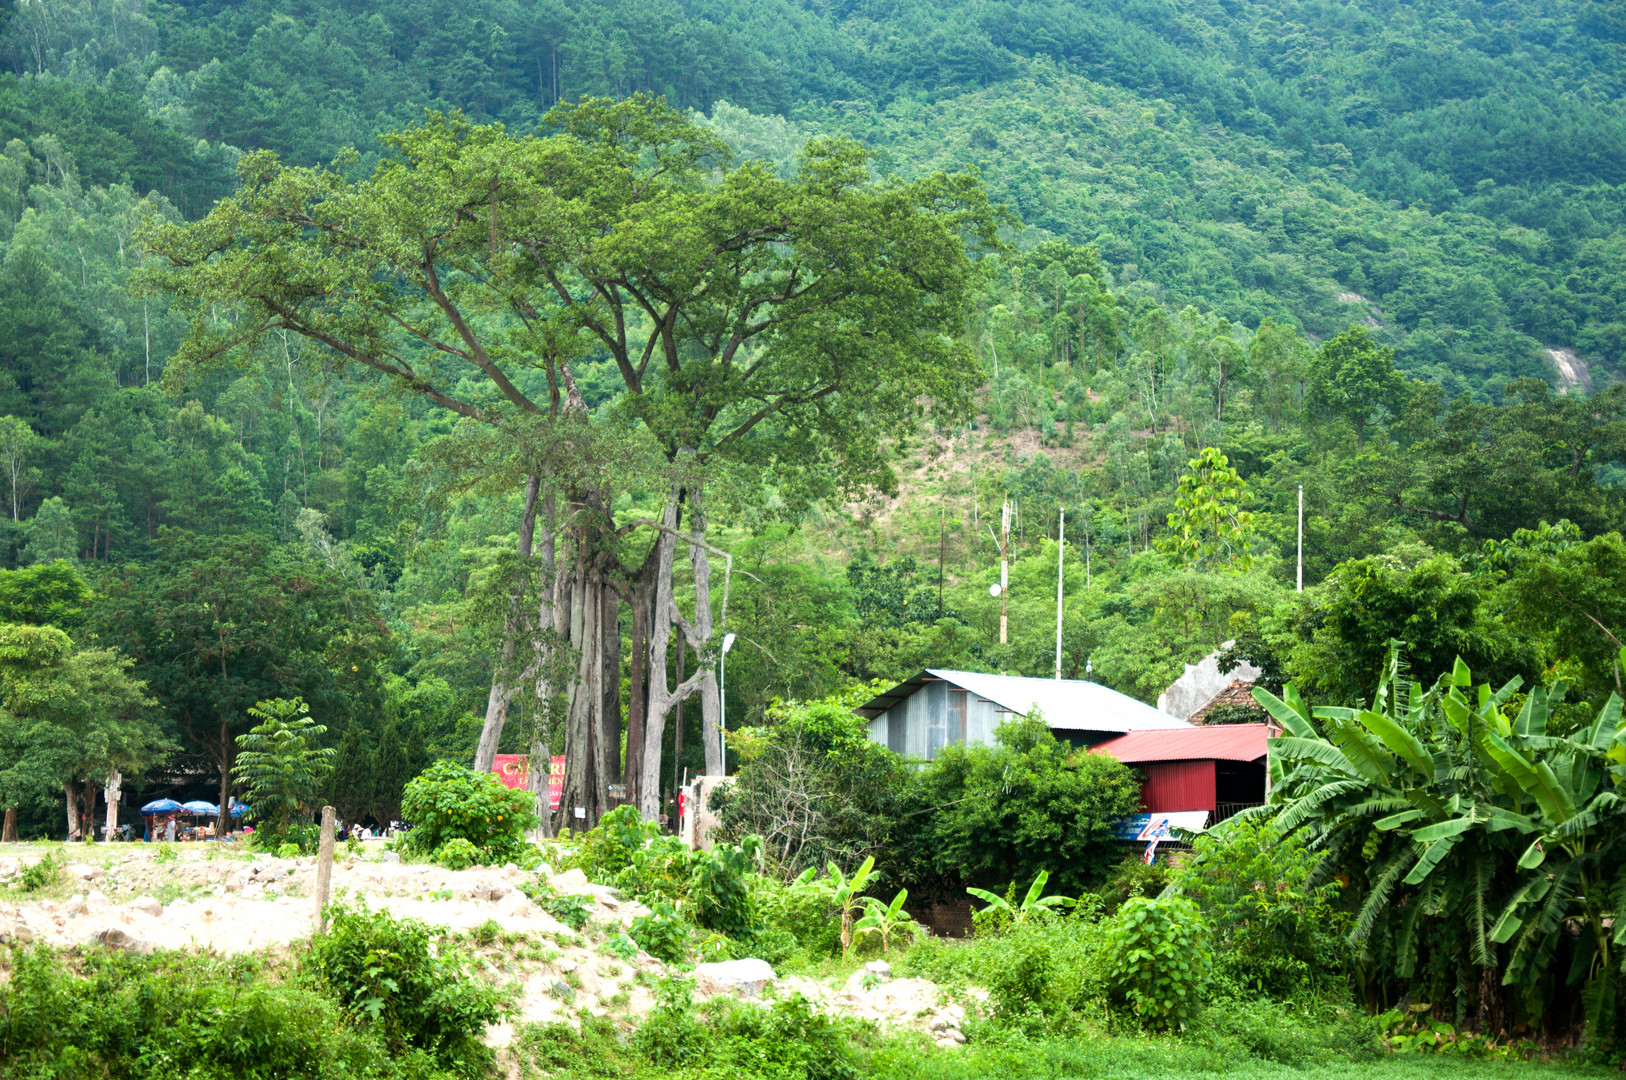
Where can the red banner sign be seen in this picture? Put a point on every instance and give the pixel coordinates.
(514, 771)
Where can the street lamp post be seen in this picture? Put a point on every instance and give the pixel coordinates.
(722, 697)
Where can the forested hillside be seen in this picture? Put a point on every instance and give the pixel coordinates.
(1374, 249)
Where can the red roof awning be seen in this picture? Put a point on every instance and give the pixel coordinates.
(1222, 742)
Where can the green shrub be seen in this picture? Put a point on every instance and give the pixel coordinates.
(720, 891)
(1277, 930)
(572, 910)
(662, 870)
(608, 847)
(449, 802)
(662, 934)
(1132, 877)
(802, 909)
(777, 946)
(1158, 960)
(176, 1015)
(457, 854)
(790, 1038)
(1271, 1031)
(403, 978)
(44, 873)
(1056, 810)
(297, 838)
(721, 1038)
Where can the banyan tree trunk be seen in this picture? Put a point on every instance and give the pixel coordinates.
(505, 681)
(592, 713)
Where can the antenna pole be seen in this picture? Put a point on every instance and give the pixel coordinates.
(1061, 547)
(1301, 538)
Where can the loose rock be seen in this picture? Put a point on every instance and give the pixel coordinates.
(114, 938)
(744, 978)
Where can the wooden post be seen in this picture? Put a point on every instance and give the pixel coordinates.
(324, 869)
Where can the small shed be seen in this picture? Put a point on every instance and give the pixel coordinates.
(939, 707)
(1220, 769)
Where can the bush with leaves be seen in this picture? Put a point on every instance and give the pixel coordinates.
(1005, 813)
(44, 873)
(450, 802)
(802, 911)
(608, 848)
(572, 909)
(99, 1013)
(1043, 975)
(457, 854)
(720, 895)
(1278, 930)
(633, 855)
(1158, 960)
(404, 979)
(1133, 876)
(662, 933)
(797, 1039)
(814, 786)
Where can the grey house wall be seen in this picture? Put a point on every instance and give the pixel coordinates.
(923, 723)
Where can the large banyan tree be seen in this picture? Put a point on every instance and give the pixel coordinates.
(760, 324)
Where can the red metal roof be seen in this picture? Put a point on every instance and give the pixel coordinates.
(1221, 742)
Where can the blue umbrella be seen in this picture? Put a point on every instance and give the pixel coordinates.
(239, 810)
(162, 806)
(198, 806)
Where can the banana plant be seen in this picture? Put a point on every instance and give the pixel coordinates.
(885, 919)
(1001, 910)
(847, 895)
(1458, 816)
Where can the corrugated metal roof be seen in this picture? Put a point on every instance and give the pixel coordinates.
(1067, 704)
(1221, 742)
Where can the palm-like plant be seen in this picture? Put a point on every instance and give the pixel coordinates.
(1468, 827)
(885, 919)
(846, 894)
(1033, 904)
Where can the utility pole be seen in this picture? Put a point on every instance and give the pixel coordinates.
(942, 526)
(1061, 547)
(1301, 538)
(1004, 565)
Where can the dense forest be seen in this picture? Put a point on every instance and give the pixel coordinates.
(1370, 250)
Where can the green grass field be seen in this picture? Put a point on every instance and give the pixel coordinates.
(1126, 1059)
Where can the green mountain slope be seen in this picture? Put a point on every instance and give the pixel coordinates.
(1454, 165)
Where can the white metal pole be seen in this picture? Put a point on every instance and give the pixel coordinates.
(1004, 566)
(1301, 538)
(1061, 547)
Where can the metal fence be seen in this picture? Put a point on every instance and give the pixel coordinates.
(1231, 809)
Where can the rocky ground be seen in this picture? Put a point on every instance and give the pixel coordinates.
(228, 901)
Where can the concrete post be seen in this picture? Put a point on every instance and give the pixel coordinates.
(324, 869)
